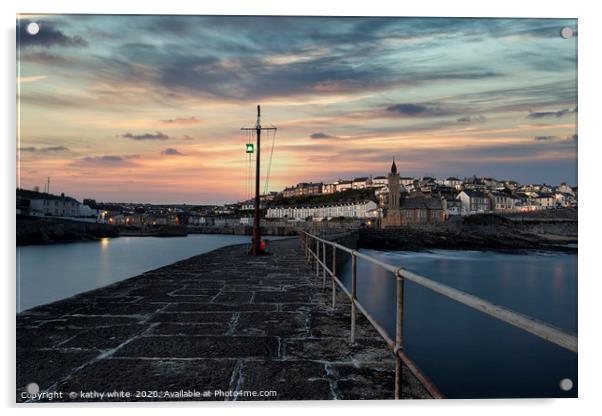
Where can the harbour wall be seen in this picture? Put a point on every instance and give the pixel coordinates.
(41, 230)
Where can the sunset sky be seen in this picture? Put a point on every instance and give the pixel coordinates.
(149, 108)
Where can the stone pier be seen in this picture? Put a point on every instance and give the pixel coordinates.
(203, 328)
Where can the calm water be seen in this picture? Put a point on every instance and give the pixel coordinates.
(53, 272)
(467, 353)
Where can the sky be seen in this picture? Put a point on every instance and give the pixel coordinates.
(149, 108)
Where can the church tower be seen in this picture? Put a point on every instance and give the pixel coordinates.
(394, 193)
(393, 213)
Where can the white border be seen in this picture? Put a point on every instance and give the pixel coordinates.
(589, 179)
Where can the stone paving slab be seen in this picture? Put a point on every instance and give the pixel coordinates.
(203, 327)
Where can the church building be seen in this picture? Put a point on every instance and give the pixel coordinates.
(410, 210)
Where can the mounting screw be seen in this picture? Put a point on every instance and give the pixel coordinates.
(32, 388)
(566, 32)
(566, 384)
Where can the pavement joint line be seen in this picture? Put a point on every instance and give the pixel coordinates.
(221, 291)
(233, 323)
(236, 379)
(280, 347)
(332, 381)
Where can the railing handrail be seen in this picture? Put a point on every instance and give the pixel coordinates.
(536, 327)
(541, 329)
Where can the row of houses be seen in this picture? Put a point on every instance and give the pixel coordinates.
(428, 185)
(311, 188)
(477, 201)
(361, 209)
(36, 203)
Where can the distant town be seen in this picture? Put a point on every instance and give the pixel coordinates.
(367, 199)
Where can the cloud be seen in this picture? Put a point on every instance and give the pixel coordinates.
(571, 138)
(48, 36)
(322, 135)
(147, 136)
(409, 109)
(54, 149)
(556, 114)
(43, 57)
(44, 149)
(189, 120)
(22, 80)
(419, 110)
(44, 100)
(105, 161)
(170, 151)
(471, 119)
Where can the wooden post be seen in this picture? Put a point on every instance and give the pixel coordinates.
(353, 295)
(399, 338)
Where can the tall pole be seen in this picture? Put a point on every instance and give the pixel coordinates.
(256, 229)
(256, 243)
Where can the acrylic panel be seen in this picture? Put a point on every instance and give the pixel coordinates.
(221, 208)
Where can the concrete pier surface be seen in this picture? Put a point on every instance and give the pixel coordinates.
(218, 326)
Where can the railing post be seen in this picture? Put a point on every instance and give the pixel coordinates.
(334, 273)
(353, 295)
(399, 338)
(323, 265)
(307, 249)
(317, 257)
(304, 244)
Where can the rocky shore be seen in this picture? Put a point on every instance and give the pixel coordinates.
(486, 232)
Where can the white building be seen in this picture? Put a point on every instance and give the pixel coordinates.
(406, 181)
(363, 209)
(474, 202)
(565, 189)
(360, 183)
(329, 188)
(379, 182)
(86, 211)
(565, 200)
(546, 200)
(343, 186)
(453, 182)
(41, 204)
(502, 202)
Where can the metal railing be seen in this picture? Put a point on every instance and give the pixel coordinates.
(318, 256)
